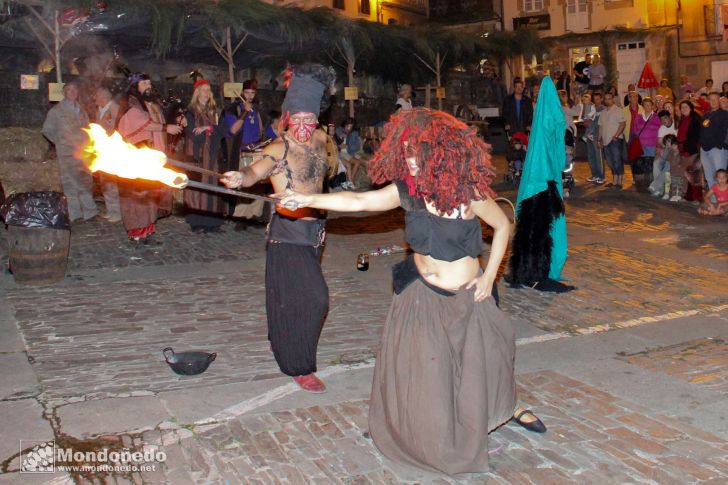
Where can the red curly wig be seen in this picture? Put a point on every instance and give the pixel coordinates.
(455, 164)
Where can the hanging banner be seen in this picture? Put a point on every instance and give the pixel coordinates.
(440, 93)
(232, 90)
(55, 91)
(351, 93)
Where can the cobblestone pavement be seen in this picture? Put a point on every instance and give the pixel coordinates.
(99, 338)
(99, 335)
(594, 438)
(108, 350)
(703, 361)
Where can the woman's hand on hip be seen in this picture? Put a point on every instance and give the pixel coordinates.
(483, 286)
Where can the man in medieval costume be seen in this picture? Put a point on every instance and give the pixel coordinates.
(143, 125)
(297, 297)
(539, 245)
(63, 127)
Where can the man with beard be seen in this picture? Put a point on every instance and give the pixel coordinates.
(297, 297)
(143, 125)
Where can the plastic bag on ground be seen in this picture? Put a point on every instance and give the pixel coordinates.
(36, 209)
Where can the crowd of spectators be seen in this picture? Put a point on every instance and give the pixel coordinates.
(675, 140)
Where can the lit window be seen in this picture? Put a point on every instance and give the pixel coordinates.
(532, 5)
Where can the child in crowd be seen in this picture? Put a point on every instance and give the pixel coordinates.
(516, 154)
(666, 170)
(719, 190)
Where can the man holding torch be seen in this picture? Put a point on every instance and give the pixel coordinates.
(143, 125)
(297, 297)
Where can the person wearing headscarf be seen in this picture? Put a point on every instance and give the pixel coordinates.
(297, 297)
(143, 125)
(444, 372)
(539, 245)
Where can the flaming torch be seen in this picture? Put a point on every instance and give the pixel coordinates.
(112, 155)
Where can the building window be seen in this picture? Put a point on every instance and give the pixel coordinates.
(339, 4)
(365, 8)
(532, 5)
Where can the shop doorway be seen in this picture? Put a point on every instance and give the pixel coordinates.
(631, 58)
(719, 72)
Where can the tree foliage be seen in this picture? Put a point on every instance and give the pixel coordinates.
(277, 34)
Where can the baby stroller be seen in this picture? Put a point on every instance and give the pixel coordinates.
(567, 175)
(516, 156)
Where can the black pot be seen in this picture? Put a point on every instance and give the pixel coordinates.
(188, 363)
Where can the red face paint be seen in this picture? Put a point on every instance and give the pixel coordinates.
(302, 125)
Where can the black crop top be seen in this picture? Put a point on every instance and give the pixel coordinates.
(442, 238)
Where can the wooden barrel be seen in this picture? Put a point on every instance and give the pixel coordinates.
(38, 255)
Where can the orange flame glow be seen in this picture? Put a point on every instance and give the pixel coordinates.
(112, 155)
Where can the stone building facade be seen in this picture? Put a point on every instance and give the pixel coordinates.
(676, 38)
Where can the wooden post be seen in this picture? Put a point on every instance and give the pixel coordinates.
(437, 75)
(427, 96)
(57, 38)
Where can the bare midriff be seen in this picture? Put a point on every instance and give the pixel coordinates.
(448, 275)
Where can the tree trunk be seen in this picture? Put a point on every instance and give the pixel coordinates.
(437, 75)
(229, 47)
(57, 46)
(350, 73)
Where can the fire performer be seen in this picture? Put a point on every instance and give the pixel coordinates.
(297, 297)
(143, 126)
(444, 374)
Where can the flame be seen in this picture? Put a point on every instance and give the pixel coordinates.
(111, 154)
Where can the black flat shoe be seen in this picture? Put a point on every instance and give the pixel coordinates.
(536, 426)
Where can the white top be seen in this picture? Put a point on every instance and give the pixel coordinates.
(403, 103)
(666, 130)
(569, 114)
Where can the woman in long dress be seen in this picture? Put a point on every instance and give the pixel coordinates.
(203, 134)
(444, 373)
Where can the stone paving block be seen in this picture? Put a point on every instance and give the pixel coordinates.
(57, 478)
(17, 380)
(22, 420)
(111, 415)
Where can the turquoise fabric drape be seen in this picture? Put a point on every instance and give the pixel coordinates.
(545, 161)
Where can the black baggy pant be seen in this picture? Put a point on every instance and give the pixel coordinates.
(297, 301)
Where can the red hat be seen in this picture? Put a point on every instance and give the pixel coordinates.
(201, 82)
(251, 84)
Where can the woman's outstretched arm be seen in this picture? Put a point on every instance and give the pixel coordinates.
(374, 200)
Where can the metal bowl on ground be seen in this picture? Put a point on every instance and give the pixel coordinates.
(188, 363)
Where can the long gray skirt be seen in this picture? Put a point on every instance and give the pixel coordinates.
(443, 379)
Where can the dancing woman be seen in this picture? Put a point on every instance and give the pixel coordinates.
(444, 374)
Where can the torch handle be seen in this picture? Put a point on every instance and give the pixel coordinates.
(193, 168)
(223, 190)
